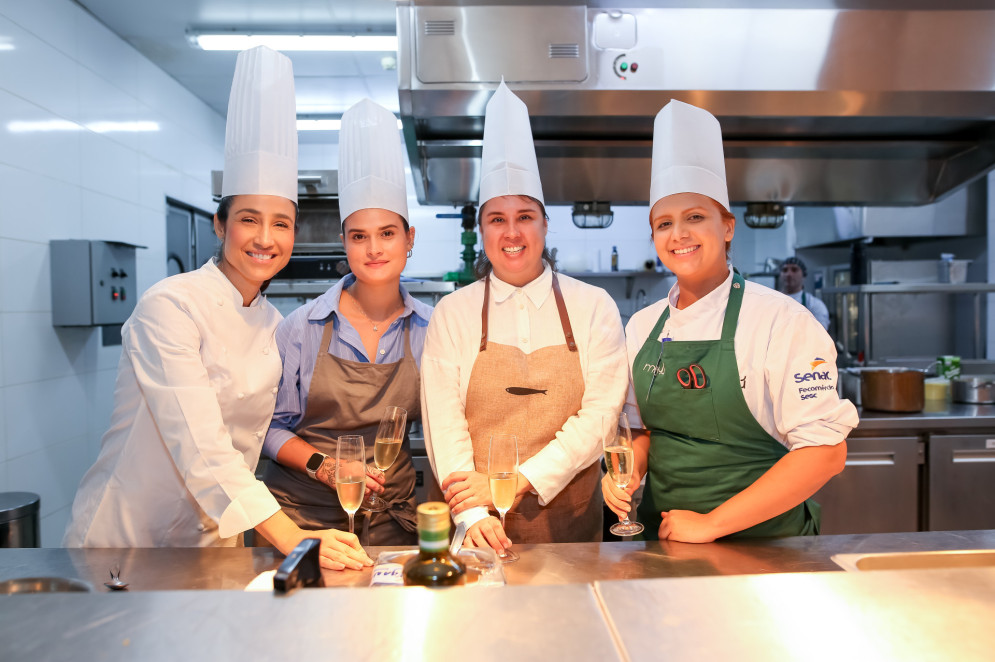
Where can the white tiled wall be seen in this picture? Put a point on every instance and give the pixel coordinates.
(64, 67)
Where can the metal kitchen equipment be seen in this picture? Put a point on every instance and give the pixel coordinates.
(973, 389)
(875, 103)
(93, 282)
(19, 519)
(892, 389)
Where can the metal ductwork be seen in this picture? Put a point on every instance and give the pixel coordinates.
(884, 102)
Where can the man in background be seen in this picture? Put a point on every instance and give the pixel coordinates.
(791, 281)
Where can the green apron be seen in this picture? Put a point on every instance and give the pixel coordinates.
(705, 444)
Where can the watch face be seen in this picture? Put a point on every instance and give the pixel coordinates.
(314, 462)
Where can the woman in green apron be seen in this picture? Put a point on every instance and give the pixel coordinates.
(734, 384)
(354, 350)
(523, 351)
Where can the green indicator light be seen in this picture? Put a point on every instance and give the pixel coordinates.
(623, 66)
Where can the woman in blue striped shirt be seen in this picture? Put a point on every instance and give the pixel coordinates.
(355, 349)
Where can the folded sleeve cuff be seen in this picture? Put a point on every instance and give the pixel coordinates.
(253, 506)
(471, 516)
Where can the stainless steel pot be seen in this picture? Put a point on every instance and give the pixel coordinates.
(892, 389)
(973, 389)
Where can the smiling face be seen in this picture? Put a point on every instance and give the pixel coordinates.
(513, 228)
(376, 245)
(690, 233)
(258, 237)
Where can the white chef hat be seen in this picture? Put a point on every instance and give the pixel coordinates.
(261, 134)
(508, 163)
(687, 154)
(371, 163)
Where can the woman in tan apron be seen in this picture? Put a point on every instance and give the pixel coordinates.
(353, 351)
(734, 383)
(524, 351)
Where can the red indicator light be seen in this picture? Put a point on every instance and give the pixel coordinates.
(633, 67)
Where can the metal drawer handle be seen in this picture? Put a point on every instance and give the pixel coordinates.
(870, 459)
(972, 456)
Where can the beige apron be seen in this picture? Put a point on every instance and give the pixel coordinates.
(575, 515)
(348, 397)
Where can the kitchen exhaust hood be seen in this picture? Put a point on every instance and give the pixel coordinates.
(864, 102)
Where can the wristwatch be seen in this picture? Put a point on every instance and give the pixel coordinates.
(314, 463)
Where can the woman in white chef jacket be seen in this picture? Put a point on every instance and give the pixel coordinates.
(199, 366)
(522, 351)
(734, 383)
(354, 350)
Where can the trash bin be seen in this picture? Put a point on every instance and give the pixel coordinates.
(19, 519)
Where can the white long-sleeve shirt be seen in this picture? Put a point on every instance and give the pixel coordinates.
(787, 361)
(526, 318)
(195, 391)
(814, 304)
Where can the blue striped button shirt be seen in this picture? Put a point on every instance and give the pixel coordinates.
(299, 335)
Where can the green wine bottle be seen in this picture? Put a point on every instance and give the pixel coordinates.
(434, 565)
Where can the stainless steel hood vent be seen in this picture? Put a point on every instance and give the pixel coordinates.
(885, 102)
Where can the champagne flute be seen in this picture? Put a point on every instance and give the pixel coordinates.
(387, 445)
(618, 459)
(350, 474)
(502, 474)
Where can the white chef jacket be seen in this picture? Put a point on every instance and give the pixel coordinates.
(526, 318)
(814, 304)
(787, 361)
(194, 396)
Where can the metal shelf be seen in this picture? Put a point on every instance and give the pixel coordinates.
(629, 276)
(913, 288)
(864, 292)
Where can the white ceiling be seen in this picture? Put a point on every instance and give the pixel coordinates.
(326, 83)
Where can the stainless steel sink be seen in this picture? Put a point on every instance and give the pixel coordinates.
(970, 558)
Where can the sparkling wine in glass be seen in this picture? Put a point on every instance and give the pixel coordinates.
(502, 474)
(350, 474)
(387, 445)
(619, 459)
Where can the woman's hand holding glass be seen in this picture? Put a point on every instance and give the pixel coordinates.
(350, 474)
(620, 458)
(386, 447)
(502, 472)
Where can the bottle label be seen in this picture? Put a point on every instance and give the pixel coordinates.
(433, 540)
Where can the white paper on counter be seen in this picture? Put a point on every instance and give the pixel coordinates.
(262, 582)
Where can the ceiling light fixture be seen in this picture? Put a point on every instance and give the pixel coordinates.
(239, 41)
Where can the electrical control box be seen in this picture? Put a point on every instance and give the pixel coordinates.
(93, 282)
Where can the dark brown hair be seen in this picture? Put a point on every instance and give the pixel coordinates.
(224, 208)
(482, 267)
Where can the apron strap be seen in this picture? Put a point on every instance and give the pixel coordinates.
(483, 313)
(732, 308)
(326, 334)
(561, 308)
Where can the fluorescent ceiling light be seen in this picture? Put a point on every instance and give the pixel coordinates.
(230, 41)
(33, 126)
(324, 124)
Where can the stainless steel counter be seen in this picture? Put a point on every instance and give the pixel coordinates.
(772, 603)
(551, 564)
(884, 615)
(949, 417)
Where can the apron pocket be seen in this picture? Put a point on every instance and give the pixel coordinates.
(693, 400)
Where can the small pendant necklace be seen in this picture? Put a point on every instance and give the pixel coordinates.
(372, 322)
